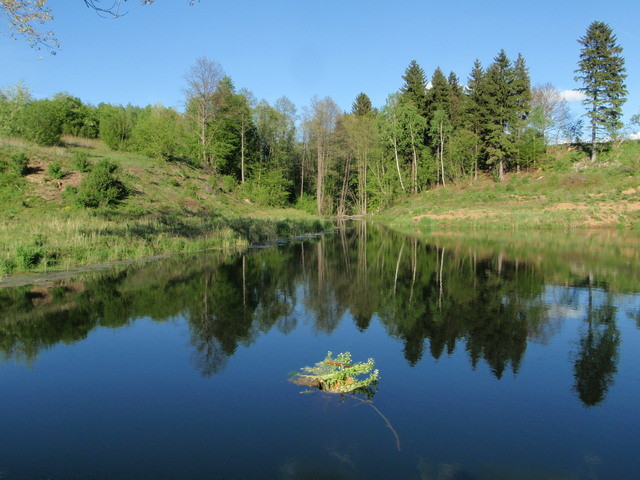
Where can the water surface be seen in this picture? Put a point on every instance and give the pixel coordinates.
(513, 360)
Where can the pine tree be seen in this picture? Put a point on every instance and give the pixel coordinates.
(415, 86)
(362, 105)
(602, 72)
(439, 96)
(522, 101)
(500, 112)
(455, 95)
(472, 110)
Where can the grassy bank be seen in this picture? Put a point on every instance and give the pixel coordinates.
(170, 207)
(568, 192)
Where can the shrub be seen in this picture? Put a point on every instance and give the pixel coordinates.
(101, 187)
(81, 162)
(41, 122)
(268, 188)
(306, 203)
(55, 170)
(19, 164)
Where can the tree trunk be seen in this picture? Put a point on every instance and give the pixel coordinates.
(320, 179)
(395, 150)
(242, 133)
(442, 153)
(593, 134)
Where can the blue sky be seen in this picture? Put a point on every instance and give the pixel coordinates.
(304, 48)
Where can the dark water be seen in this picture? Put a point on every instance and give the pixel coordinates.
(513, 362)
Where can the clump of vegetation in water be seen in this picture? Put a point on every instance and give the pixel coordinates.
(339, 375)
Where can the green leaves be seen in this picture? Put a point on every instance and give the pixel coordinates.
(339, 375)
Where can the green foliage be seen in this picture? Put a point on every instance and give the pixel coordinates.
(80, 162)
(76, 118)
(362, 105)
(116, 125)
(101, 187)
(40, 122)
(339, 375)
(55, 170)
(268, 187)
(13, 100)
(34, 254)
(159, 133)
(602, 73)
(306, 203)
(19, 164)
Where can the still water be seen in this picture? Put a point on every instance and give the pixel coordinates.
(498, 360)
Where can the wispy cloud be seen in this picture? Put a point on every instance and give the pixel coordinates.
(572, 95)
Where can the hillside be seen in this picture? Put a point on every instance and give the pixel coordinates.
(566, 192)
(170, 207)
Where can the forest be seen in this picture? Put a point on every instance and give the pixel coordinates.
(434, 131)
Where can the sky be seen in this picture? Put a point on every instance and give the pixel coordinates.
(304, 48)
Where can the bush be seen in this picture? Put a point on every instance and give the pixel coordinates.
(268, 188)
(81, 162)
(101, 187)
(307, 203)
(41, 122)
(19, 164)
(55, 170)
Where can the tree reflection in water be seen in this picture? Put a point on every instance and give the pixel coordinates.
(433, 297)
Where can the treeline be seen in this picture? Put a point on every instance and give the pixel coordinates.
(431, 132)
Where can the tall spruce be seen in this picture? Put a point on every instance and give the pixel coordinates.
(602, 73)
(472, 111)
(500, 113)
(415, 86)
(522, 102)
(362, 105)
(439, 95)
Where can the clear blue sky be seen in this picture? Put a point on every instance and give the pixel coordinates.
(303, 48)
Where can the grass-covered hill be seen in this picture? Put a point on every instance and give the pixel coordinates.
(566, 191)
(80, 203)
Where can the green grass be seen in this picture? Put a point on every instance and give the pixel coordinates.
(171, 207)
(565, 192)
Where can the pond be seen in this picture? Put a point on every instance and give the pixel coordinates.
(499, 358)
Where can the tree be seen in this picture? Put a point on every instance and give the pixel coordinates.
(501, 114)
(41, 122)
(322, 124)
(362, 105)
(473, 110)
(415, 86)
(551, 110)
(602, 73)
(202, 83)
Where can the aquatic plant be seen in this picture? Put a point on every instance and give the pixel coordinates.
(339, 375)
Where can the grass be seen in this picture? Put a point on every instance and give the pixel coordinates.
(172, 207)
(565, 192)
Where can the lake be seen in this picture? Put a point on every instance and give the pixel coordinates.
(501, 356)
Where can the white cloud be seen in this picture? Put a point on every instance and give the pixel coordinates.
(572, 95)
(635, 136)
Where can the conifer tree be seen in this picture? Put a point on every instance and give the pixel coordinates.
(473, 108)
(455, 95)
(602, 73)
(439, 95)
(521, 88)
(362, 105)
(500, 112)
(415, 86)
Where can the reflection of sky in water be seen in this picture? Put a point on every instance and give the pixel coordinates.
(132, 402)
